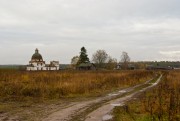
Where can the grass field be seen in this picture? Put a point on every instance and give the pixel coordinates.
(19, 85)
(160, 104)
(31, 95)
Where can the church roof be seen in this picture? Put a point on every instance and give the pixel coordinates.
(36, 55)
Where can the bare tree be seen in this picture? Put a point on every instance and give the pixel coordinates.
(74, 61)
(100, 57)
(125, 59)
(111, 63)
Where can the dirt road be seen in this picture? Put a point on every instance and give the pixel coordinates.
(103, 113)
(98, 109)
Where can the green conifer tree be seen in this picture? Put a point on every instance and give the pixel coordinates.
(83, 58)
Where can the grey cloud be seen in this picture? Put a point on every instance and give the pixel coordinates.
(60, 27)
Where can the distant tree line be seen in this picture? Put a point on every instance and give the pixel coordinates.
(101, 59)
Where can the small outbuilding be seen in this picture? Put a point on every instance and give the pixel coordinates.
(130, 67)
(86, 66)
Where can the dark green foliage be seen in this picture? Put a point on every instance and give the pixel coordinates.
(83, 58)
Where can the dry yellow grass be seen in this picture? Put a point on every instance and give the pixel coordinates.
(21, 84)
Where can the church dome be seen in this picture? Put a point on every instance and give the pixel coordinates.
(36, 56)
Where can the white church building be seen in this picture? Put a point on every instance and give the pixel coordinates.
(37, 63)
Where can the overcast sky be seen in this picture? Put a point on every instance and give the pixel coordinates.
(146, 29)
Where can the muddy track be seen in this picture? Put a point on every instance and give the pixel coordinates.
(99, 109)
(104, 112)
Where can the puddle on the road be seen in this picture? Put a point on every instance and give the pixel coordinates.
(122, 91)
(107, 117)
(112, 94)
(142, 90)
(117, 104)
(155, 83)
